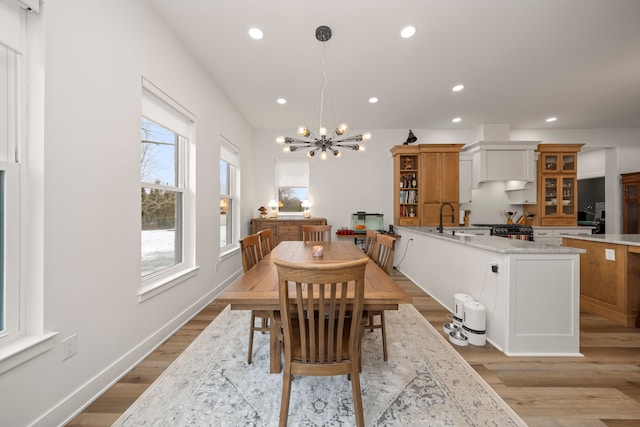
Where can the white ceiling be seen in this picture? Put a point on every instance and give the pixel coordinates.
(521, 61)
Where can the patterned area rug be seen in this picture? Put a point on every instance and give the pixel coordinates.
(425, 382)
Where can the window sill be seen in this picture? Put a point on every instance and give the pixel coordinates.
(229, 253)
(167, 282)
(23, 349)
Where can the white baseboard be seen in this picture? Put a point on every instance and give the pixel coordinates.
(76, 402)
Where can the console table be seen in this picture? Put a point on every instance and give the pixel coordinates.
(284, 228)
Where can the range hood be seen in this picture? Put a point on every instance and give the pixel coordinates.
(496, 158)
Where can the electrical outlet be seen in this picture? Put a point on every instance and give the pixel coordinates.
(494, 268)
(610, 254)
(69, 346)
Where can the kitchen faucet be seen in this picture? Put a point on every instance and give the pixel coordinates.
(453, 217)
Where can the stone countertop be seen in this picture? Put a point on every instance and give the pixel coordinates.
(493, 243)
(618, 239)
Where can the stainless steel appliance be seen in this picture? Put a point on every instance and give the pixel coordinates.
(510, 231)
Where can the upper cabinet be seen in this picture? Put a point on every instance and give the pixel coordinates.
(502, 161)
(440, 181)
(425, 177)
(558, 184)
(630, 202)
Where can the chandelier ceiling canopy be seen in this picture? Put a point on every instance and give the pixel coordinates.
(323, 142)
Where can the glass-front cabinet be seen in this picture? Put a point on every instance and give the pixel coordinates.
(559, 196)
(557, 171)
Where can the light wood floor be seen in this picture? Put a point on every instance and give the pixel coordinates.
(600, 389)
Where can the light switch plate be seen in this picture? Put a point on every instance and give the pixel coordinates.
(610, 254)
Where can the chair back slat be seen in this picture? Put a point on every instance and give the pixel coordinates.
(265, 241)
(370, 243)
(250, 249)
(385, 249)
(316, 233)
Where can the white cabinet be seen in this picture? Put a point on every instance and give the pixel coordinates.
(553, 235)
(465, 178)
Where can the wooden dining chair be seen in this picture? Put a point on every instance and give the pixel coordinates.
(316, 233)
(370, 243)
(265, 241)
(321, 317)
(251, 255)
(383, 256)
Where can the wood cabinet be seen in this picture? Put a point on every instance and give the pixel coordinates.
(425, 177)
(406, 193)
(630, 202)
(284, 229)
(609, 277)
(558, 184)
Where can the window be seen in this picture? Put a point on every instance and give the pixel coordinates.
(10, 57)
(229, 200)
(292, 184)
(166, 196)
(161, 197)
(22, 335)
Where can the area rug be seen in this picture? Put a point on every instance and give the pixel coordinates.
(424, 383)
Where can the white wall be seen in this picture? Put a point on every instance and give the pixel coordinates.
(95, 56)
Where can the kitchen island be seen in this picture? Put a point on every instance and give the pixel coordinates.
(532, 300)
(610, 275)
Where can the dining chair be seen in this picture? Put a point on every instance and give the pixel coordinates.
(265, 241)
(370, 243)
(316, 233)
(383, 256)
(321, 317)
(251, 254)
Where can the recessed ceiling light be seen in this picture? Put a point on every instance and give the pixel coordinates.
(457, 88)
(551, 119)
(456, 120)
(256, 33)
(373, 100)
(281, 101)
(408, 32)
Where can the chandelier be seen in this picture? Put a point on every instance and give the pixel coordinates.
(323, 142)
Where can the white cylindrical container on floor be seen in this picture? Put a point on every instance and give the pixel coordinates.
(474, 323)
(458, 307)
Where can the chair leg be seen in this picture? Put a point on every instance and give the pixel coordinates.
(251, 327)
(286, 396)
(357, 396)
(384, 336)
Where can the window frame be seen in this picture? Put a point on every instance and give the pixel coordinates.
(25, 339)
(230, 154)
(160, 108)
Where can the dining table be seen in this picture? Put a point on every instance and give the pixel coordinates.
(257, 288)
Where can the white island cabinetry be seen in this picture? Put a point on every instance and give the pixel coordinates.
(532, 302)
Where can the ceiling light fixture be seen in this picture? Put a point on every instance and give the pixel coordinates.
(456, 120)
(551, 119)
(323, 143)
(373, 100)
(256, 33)
(408, 32)
(457, 88)
(281, 101)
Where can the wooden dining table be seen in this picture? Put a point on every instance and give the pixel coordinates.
(257, 289)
